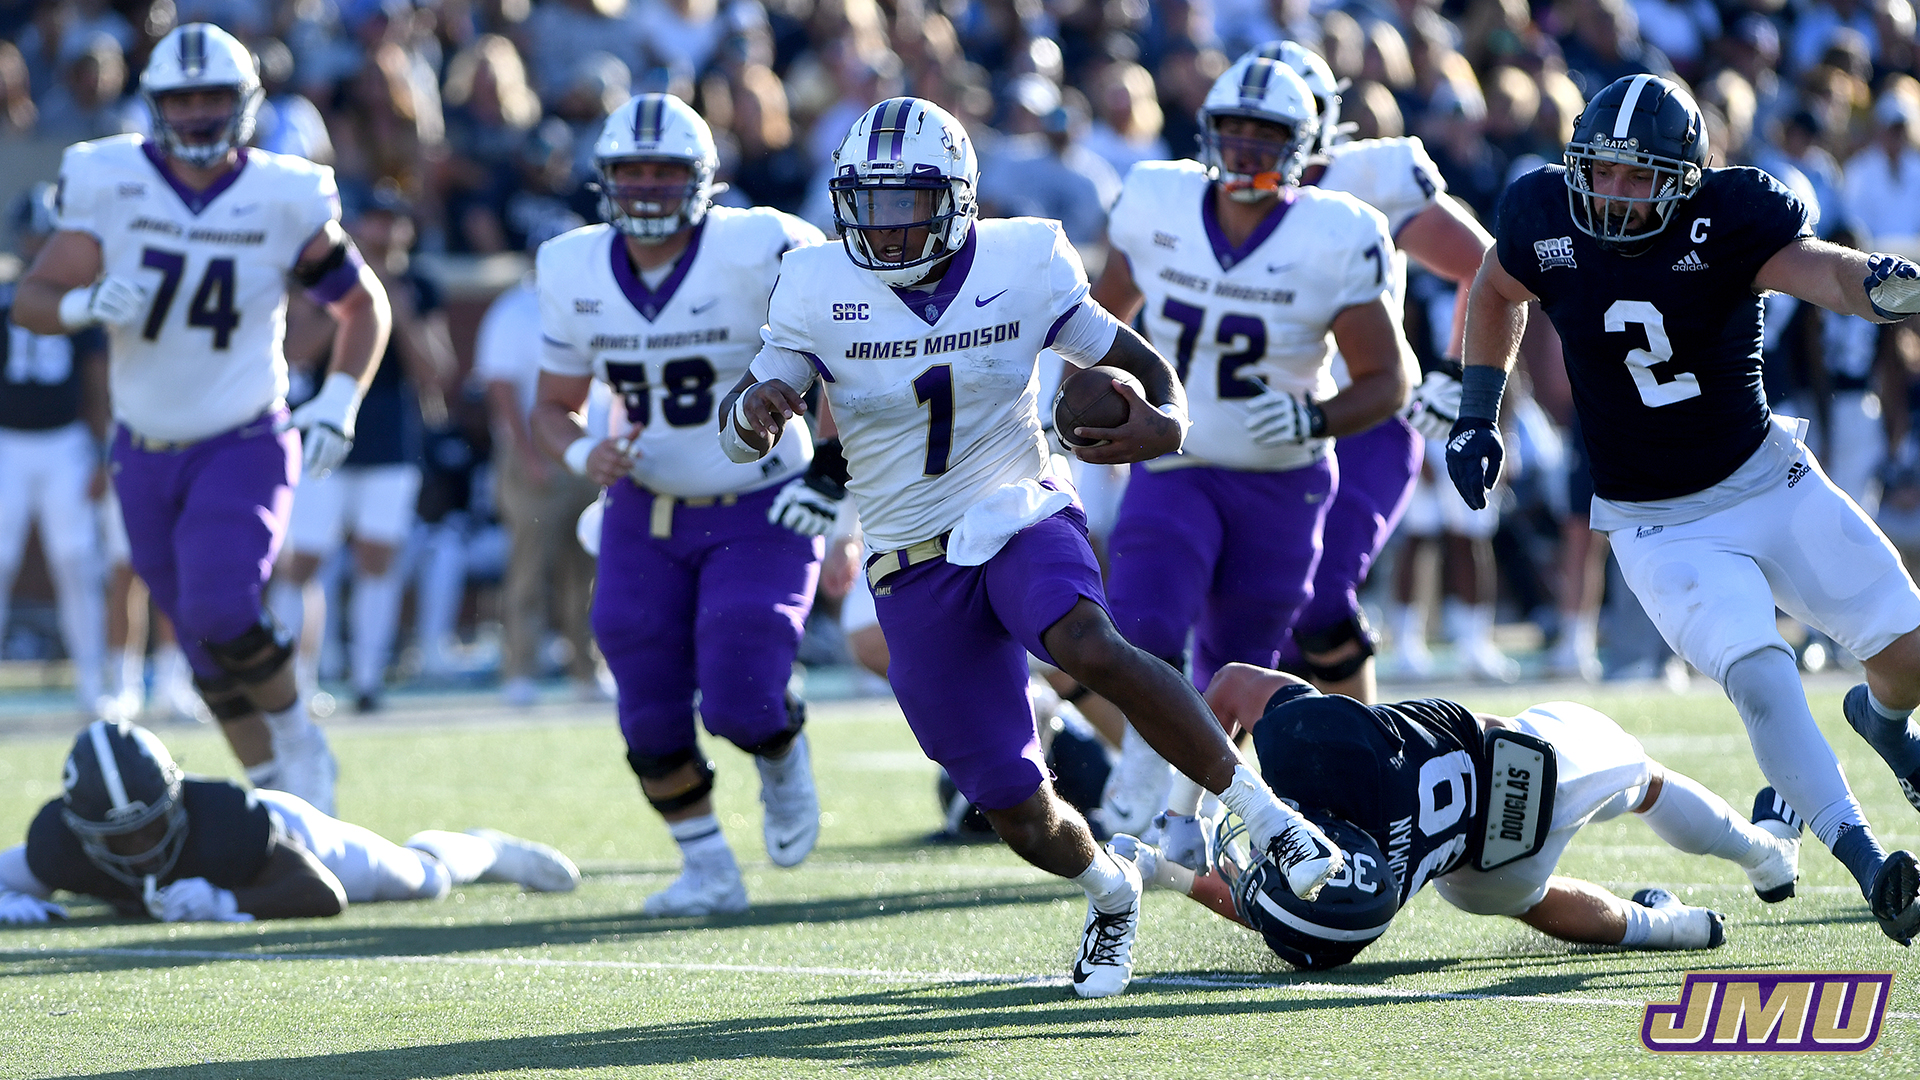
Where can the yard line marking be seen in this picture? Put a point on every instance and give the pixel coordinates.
(1195, 982)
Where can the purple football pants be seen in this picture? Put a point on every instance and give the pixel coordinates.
(204, 524)
(959, 638)
(716, 608)
(1228, 555)
(1378, 469)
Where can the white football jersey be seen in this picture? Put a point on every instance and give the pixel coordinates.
(935, 392)
(672, 352)
(1394, 176)
(205, 358)
(1232, 319)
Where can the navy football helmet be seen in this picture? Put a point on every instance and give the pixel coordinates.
(1644, 122)
(1351, 912)
(120, 780)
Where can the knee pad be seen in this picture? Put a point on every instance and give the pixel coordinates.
(1353, 628)
(226, 699)
(657, 766)
(257, 655)
(776, 744)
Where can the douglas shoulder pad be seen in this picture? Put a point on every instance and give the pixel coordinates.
(1517, 791)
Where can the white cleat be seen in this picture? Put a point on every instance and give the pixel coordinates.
(1305, 855)
(307, 768)
(1773, 879)
(791, 822)
(698, 891)
(527, 863)
(1105, 964)
(1136, 789)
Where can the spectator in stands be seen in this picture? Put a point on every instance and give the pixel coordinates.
(18, 113)
(560, 32)
(1882, 186)
(491, 109)
(288, 122)
(1183, 78)
(1041, 169)
(1127, 120)
(772, 170)
(1605, 45)
(382, 131)
(1752, 48)
(601, 82)
(539, 501)
(86, 103)
(1815, 26)
(680, 35)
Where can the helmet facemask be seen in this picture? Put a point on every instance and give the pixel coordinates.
(1611, 219)
(901, 228)
(1267, 162)
(203, 141)
(156, 859)
(651, 211)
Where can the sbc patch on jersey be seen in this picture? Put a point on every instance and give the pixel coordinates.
(1555, 252)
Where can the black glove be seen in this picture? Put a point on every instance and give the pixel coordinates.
(1474, 454)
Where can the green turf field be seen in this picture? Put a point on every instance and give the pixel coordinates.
(881, 955)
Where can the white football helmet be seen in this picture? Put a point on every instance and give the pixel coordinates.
(1260, 89)
(201, 56)
(655, 127)
(1319, 78)
(907, 164)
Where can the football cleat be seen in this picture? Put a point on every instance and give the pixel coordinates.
(1892, 896)
(1136, 789)
(1305, 855)
(1105, 964)
(307, 768)
(527, 863)
(1693, 927)
(791, 823)
(1897, 749)
(700, 890)
(1773, 879)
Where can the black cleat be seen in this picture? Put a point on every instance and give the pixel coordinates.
(1893, 896)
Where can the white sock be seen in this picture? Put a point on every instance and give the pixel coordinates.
(82, 609)
(170, 666)
(465, 857)
(1184, 795)
(1698, 822)
(291, 724)
(701, 841)
(1456, 620)
(1638, 926)
(131, 670)
(1408, 627)
(1887, 712)
(1254, 802)
(287, 603)
(1106, 884)
(375, 611)
(1794, 757)
(263, 774)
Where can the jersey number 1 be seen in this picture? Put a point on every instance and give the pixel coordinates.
(1659, 350)
(934, 389)
(212, 305)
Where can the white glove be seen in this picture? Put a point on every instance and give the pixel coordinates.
(1277, 419)
(19, 909)
(1893, 286)
(1185, 840)
(194, 899)
(326, 424)
(803, 509)
(1435, 405)
(111, 300)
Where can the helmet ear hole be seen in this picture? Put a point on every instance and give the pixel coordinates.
(1352, 911)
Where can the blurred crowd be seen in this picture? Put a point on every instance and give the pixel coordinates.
(464, 128)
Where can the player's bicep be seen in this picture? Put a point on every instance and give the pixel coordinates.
(1493, 276)
(69, 260)
(567, 391)
(1445, 239)
(1116, 290)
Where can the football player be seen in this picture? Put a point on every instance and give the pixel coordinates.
(1243, 274)
(183, 246)
(1330, 641)
(1652, 267)
(707, 566)
(132, 830)
(924, 329)
(1481, 806)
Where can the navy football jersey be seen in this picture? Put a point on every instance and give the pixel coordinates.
(1404, 773)
(40, 375)
(230, 836)
(1663, 348)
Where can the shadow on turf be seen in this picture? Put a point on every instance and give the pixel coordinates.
(413, 939)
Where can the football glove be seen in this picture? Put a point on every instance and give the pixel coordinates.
(1893, 286)
(1184, 839)
(805, 509)
(1474, 453)
(193, 900)
(326, 424)
(1278, 419)
(113, 301)
(19, 909)
(1435, 405)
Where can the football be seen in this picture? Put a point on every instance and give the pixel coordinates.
(1087, 399)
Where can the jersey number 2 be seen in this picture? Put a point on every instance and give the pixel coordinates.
(212, 305)
(1659, 350)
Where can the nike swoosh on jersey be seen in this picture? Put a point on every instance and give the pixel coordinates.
(1279, 268)
(978, 302)
(247, 209)
(703, 307)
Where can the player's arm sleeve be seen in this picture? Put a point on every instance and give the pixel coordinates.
(786, 344)
(1367, 272)
(799, 233)
(1774, 217)
(1418, 186)
(1512, 238)
(17, 876)
(1124, 232)
(318, 203)
(558, 351)
(1084, 335)
(78, 202)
